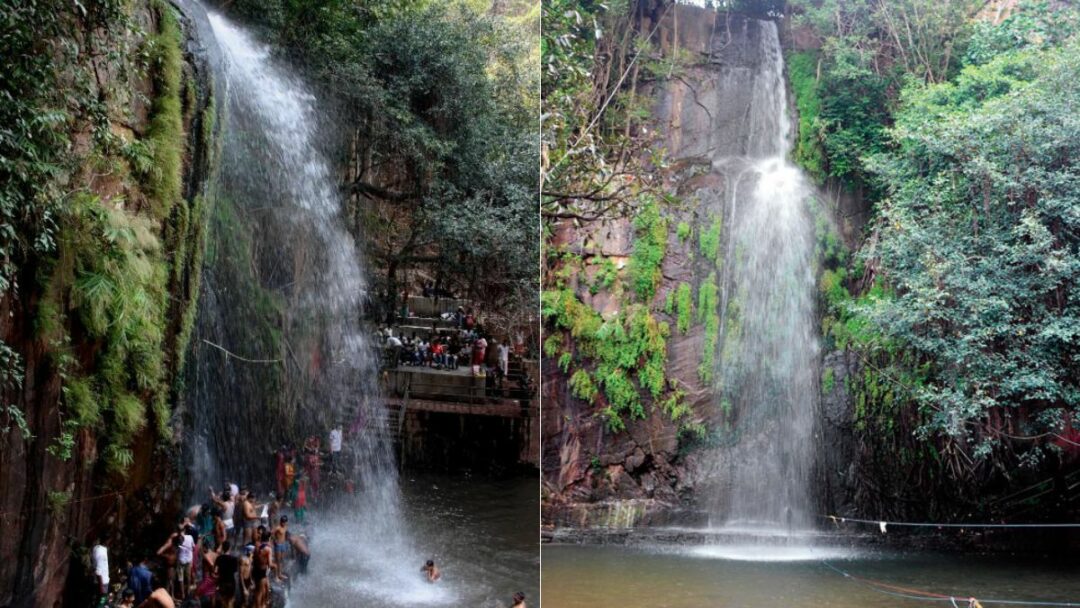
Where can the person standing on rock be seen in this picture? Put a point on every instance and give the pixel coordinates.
(219, 527)
(227, 505)
(169, 553)
(300, 551)
(139, 578)
(281, 540)
(247, 583)
(99, 555)
(335, 447)
(261, 565)
(478, 353)
(185, 558)
(504, 357)
(251, 517)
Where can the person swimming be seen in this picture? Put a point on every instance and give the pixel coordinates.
(431, 571)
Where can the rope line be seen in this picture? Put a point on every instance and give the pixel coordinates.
(24, 512)
(236, 356)
(930, 596)
(839, 520)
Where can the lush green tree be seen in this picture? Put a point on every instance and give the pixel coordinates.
(870, 48)
(979, 237)
(437, 105)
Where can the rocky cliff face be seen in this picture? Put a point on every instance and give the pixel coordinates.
(650, 472)
(100, 322)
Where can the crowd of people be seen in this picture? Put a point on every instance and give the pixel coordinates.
(465, 344)
(224, 553)
(227, 551)
(230, 551)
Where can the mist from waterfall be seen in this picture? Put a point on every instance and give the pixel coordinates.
(277, 202)
(768, 349)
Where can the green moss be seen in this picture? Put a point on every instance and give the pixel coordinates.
(605, 277)
(129, 415)
(683, 231)
(165, 133)
(553, 344)
(802, 73)
(58, 502)
(828, 381)
(627, 354)
(685, 305)
(708, 297)
(82, 402)
(582, 386)
(709, 240)
(708, 303)
(676, 406)
(650, 246)
(564, 362)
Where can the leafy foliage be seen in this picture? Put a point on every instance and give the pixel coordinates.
(593, 58)
(100, 270)
(650, 245)
(628, 354)
(709, 240)
(437, 105)
(979, 239)
(870, 49)
(685, 305)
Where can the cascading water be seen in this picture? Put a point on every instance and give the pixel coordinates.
(283, 293)
(767, 353)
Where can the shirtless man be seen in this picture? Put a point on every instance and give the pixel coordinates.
(209, 556)
(169, 552)
(251, 517)
(281, 542)
(275, 506)
(160, 598)
(261, 565)
(431, 571)
(519, 600)
(300, 550)
(219, 528)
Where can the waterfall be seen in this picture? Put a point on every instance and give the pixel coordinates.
(283, 292)
(768, 351)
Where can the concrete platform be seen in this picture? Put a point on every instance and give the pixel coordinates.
(428, 383)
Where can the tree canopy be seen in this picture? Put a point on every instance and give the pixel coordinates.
(439, 101)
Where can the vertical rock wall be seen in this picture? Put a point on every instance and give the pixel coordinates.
(52, 504)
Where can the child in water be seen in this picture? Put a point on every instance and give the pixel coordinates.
(431, 571)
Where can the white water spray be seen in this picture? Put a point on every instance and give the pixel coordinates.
(363, 553)
(768, 351)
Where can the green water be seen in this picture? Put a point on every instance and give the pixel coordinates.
(607, 576)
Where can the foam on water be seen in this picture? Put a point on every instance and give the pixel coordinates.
(758, 552)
